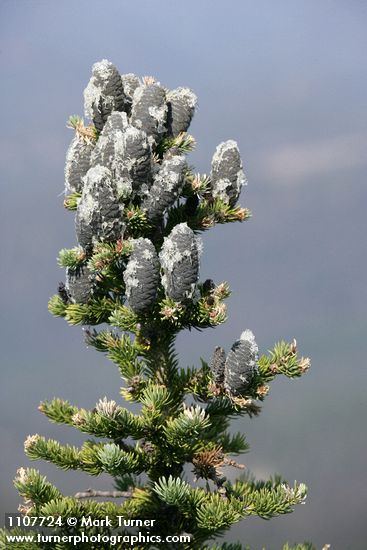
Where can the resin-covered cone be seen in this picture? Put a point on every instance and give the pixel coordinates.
(179, 259)
(217, 363)
(78, 162)
(141, 275)
(116, 121)
(227, 176)
(136, 156)
(241, 364)
(104, 93)
(80, 284)
(129, 83)
(99, 212)
(149, 111)
(105, 151)
(181, 104)
(167, 186)
(125, 151)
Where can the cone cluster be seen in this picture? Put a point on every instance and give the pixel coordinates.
(124, 167)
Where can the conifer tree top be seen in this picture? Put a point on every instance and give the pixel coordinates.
(139, 209)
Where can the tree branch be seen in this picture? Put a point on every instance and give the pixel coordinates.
(91, 493)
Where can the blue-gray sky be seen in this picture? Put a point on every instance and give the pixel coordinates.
(287, 80)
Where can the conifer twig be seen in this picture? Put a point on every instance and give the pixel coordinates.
(91, 493)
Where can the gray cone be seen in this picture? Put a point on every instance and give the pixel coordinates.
(99, 212)
(116, 121)
(167, 186)
(78, 162)
(179, 259)
(241, 364)
(227, 176)
(104, 93)
(141, 276)
(217, 364)
(181, 104)
(136, 153)
(80, 284)
(129, 83)
(126, 152)
(149, 111)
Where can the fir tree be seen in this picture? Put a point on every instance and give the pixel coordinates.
(139, 209)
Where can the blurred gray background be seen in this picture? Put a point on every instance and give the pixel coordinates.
(287, 80)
